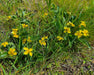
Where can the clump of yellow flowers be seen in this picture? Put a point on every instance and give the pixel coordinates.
(60, 38)
(4, 44)
(81, 33)
(28, 51)
(67, 30)
(28, 40)
(42, 41)
(12, 52)
(24, 25)
(14, 32)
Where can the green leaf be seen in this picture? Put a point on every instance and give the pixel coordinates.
(3, 55)
(36, 70)
(49, 66)
(84, 62)
(70, 44)
(40, 58)
(3, 69)
(85, 42)
(48, 2)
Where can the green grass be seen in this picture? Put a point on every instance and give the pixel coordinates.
(55, 60)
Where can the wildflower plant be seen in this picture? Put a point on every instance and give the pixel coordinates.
(4, 44)
(37, 39)
(12, 52)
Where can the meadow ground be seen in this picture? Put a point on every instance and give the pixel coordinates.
(34, 40)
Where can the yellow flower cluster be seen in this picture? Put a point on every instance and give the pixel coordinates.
(71, 24)
(67, 30)
(28, 40)
(42, 41)
(28, 51)
(82, 24)
(14, 32)
(81, 33)
(12, 52)
(60, 38)
(24, 25)
(4, 44)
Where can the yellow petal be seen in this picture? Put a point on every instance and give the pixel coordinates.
(14, 29)
(44, 43)
(8, 52)
(46, 37)
(30, 49)
(30, 54)
(40, 41)
(25, 48)
(42, 38)
(13, 50)
(10, 49)
(25, 52)
(15, 53)
(4, 45)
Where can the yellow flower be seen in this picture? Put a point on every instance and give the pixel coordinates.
(70, 23)
(9, 17)
(82, 24)
(16, 36)
(29, 40)
(14, 31)
(45, 37)
(67, 30)
(78, 33)
(24, 40)
(12, 52)
(4, 44)
(45, 14)
(24, 25)
(60, 38)
(85, 32)
(42, 42)
(28, 51)
(42, 38)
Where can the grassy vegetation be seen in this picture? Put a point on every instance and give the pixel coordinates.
(34, 40)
